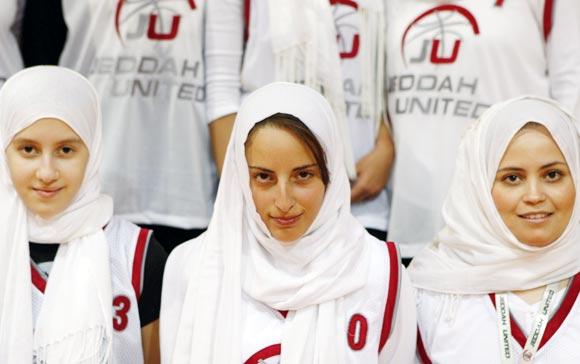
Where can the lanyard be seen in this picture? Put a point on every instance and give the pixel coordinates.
(538, 328)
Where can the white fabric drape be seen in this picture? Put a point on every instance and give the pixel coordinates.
(238, 254)
(476, 253)
(75, 321)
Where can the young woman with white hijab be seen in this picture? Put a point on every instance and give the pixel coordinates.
(500, 283)
(75, 294)
(285, 273)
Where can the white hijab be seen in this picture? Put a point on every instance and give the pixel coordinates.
(304, 41)
(476, 252)
(239, 255)
(75, 321)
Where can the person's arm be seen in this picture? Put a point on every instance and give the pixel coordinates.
(374, 168)
(150, 300)
(224, 42)
(220, 131)
(563, 52)
(402, 342)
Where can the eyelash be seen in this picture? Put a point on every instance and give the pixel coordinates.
(558, 174)
(30, 150)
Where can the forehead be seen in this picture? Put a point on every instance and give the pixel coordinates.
(47, 130)
(533, 144)
(272, 145)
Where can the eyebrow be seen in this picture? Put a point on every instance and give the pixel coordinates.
(295, 169)
(548, 165)
(66, 141)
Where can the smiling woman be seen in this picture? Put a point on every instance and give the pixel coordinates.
(510, 245)
(285, 272)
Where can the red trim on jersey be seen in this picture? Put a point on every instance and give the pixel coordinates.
(392, 293)
(350, 3)
(265, 353)
(548, 11)
(557, 319)
(37, 278)
(284, 313)
(499, 3)
(138, 261)
(246, 20)
(421, 349)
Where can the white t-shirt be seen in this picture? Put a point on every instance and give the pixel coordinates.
(447, 62)
(234, 71)
(128, 246)
(464, 328)
(10, 59)
(146, 62)
(380, 317)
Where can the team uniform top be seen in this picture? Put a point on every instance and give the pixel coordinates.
(470, 323)
(447, 63)
(377, 316)
(137, 261)
(226, 49)
(146, 62)
(10, 60)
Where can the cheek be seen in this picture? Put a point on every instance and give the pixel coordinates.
(504, 199)
(263, 199)
(311, 197)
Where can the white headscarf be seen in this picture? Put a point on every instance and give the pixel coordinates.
(476, 252)
(75, 321)
(238, 254)
(303, 34)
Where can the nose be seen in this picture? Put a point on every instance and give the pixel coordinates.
(47, 172)
(284, 198)
(534, 193)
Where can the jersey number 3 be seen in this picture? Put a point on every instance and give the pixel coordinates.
(121, 305)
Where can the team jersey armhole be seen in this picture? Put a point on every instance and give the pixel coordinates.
(392, 293)
(138, 270)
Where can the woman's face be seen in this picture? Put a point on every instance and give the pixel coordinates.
(285, 181)
(47, 163)
(533, 190)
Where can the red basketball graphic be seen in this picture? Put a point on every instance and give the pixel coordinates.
(347, 35)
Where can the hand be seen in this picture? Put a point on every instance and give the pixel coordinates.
(373, 169)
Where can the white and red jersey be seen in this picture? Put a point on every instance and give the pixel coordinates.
(447, 62)
(379, 318)
(228, 83)
(464, 328)
(127, 249)
(10, 59)
(146, 61)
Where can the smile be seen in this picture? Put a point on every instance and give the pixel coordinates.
(47, 192)
(536, 217)
(286, 221)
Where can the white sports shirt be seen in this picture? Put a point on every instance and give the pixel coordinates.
(128, 246)
(228, 83)
(447, 62)
(379, 317)
(464, 328)
(10, 59)
(146, 61)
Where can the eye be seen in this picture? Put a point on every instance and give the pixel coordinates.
(304, 175)
(66, 150)
(553, 175)
(511, 179)
(28, 150)
(262, 177)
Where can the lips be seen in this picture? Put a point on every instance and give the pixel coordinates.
(286, 221)
(47, 192)
(536, 217)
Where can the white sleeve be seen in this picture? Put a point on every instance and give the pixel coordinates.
(224, 43)
(400, 347)
(563, 54)
(172, 297)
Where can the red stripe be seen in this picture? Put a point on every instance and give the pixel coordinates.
(548, 11)
(138, 261)
(37, 278)
(421, 349)
(555, 322)
(246, 20)
(265, 353)
(391, 295)
(499, 3)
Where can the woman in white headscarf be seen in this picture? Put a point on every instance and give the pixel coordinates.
(285, 271)
(71, 295)
(499, 283)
